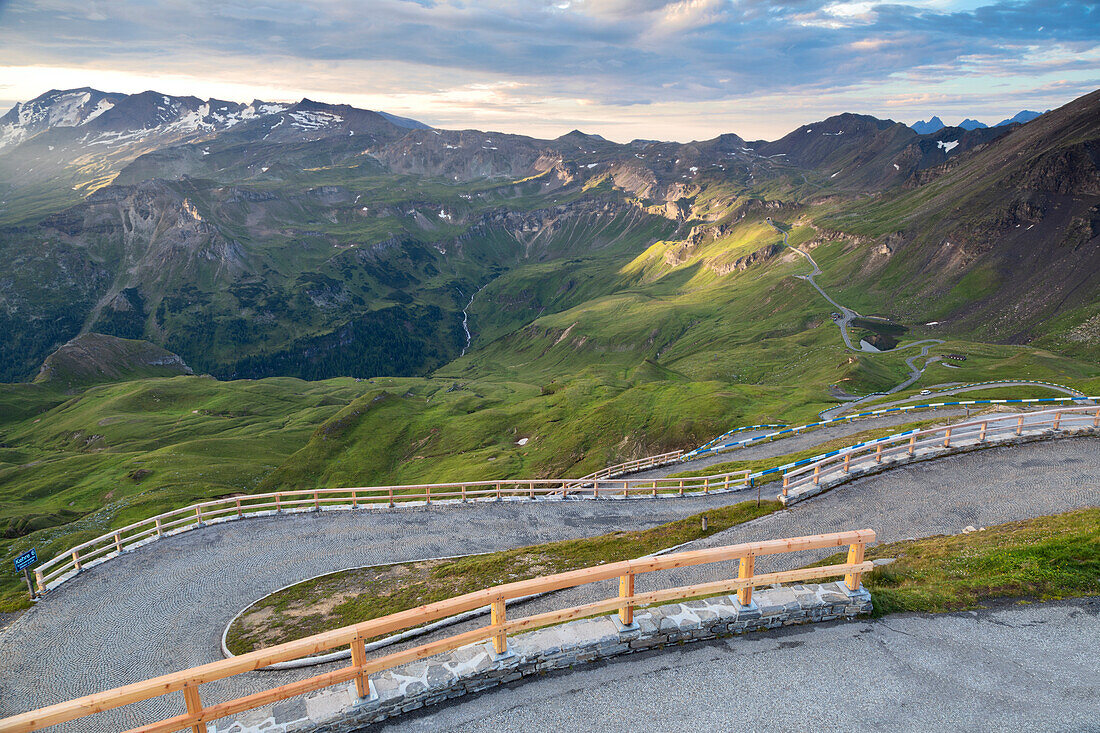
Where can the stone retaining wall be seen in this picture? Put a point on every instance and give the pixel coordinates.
(475, 667)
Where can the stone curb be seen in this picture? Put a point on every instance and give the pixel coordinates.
(475, 667)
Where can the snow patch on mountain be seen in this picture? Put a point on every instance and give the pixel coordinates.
(314, 120)
(102, 106)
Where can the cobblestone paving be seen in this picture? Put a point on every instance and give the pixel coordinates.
(163, 608)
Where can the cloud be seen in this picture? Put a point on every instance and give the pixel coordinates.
(612, 55)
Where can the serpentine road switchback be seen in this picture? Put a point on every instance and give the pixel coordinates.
(163, 607)
(846, 317)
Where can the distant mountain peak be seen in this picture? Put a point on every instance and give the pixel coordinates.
(969, 124)
(574, 134)
(1021, 117)
(935, 124)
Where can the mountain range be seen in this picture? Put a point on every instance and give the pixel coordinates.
(314, 240)
(203, 298)
(935, 123)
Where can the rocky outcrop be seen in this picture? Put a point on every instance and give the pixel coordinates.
(743, 263)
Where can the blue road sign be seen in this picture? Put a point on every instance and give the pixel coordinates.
(28, 558)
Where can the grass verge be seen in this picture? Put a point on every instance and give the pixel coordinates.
(350, 596)
(1045, 558)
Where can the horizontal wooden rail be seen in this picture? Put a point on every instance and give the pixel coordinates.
(596, 486)
(188, 681)
(637, 464)
(197, 515)
(974, 432)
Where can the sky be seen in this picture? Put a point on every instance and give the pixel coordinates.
(625, 69)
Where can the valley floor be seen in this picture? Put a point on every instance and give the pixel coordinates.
(164, 607)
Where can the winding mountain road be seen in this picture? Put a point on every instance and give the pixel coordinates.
(162, 608)
(847, 406)
(847, 314)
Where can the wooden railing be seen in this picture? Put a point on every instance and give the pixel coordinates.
(638, 464)
(986, 430)
(55, 571)
(198, 714)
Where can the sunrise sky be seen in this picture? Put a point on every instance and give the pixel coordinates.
(621, 68)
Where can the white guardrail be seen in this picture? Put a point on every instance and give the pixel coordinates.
(715, 446)
(809, 477)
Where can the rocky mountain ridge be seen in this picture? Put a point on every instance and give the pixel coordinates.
(313, 239)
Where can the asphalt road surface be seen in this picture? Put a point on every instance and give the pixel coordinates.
(163, 607)
(1027, 667)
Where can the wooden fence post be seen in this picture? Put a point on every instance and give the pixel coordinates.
(391, 497)
(912, 443)
(947, 438)
(463, 493)
(498, 491)
(316, 502)
(40, 581)
(855, 555)
(160, 530)
(706, 485)
(194, 706)
(878, 453)
(239, 512)
(118, 543)
(626, 590)
(1057, 419)
(428, 494)
(354, 500)
(497, 616)
(278, 504)
(817, 475)
(847, 462)
(1019, 424)
(625, 492)
(358, 659)
(745, 570)
(682, 481)
(981, 435)
(76, 560)
(198, 514)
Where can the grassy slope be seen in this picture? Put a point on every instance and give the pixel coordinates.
(643, 358)
(1043, 558)
(595, 353)
(367, 593)
(72, 467)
